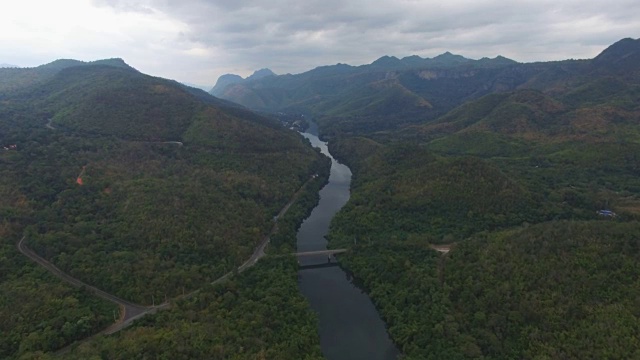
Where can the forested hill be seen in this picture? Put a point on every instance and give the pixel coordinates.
(134, 184)
(19, 78)
(600, 102)
(383, 94)
(535, 190)
(391, 93)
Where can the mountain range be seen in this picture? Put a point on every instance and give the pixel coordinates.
(391, 93)
(527, 173)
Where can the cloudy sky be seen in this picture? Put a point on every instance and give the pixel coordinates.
(196, 41)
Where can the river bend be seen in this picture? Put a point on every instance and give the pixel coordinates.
(350, 327)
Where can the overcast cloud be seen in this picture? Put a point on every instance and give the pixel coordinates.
(196, 41)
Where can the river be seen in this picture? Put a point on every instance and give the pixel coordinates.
(350, 327)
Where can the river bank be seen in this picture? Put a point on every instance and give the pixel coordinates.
(349, 325)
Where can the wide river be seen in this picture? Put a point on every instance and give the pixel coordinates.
(350, 327)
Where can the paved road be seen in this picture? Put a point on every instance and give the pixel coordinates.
(131, 310)
(259, 250)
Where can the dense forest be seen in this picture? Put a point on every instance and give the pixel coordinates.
(136, 185)
(536, 194)
(558, 290)
(507, 288)
(150, 190)
(257, 314)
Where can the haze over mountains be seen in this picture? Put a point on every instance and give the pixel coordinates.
(393, 92)
(231, 79)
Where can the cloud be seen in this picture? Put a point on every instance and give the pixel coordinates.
(198, 40)
(293, 36)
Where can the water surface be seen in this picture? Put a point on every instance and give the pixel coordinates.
(349, 325)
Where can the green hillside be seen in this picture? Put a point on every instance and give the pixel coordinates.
(513, 183)
(134, 184)
(16, 79)
(560, 290)
(385, 94)
(406, 192)
(527, 174)
(594, 102)
(258, 315)
(394, 93)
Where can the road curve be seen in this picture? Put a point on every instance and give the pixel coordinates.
(48, 125)
(130, 309)
(133, 311)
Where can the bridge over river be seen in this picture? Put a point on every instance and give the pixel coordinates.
(320, 252)
(439, 248)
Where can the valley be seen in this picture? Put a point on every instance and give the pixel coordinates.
(513, 178)
(471, 209)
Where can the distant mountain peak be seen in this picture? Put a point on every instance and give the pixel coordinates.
(497, 61)
(113, 62)
(386, 58)
(448, 56)
(618, 51)
(387, 61)
(259, 74)
(65, 63)
(224, 81)
(230, 79)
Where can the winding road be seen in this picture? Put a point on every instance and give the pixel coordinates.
(131, 311)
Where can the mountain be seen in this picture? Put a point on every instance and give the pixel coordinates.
(620, 57)
(231, 79)
(224, 81)
(138, 185)
(13, 79)
(259, 74)
(392, 93)
(385, 94)
(196, 86)
(595, 101)
(530, 183)
(8, 66)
